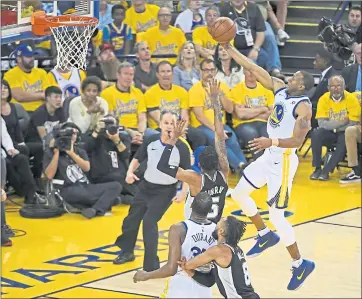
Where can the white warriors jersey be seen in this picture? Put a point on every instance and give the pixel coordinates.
(197, 240)
(70, 87)
(283, 117)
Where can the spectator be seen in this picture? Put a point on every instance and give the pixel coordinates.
(166, 96)
(69, 168)
(162, 3)
(18, 170)
(228, 71)
(278, 21)
(110, 152)
(118, 34)
(192, 17)
(202, 115)
(352, 73)
(6, 231)
(10, 116)
(253, 104)
(250, 32)
(157, 192)
(323, 63)
(336, 110)
(127, 103)
(88, 108)
(353, 137)
(186, 72)
(204, 43)
(164, 39)
(107, 66)
(47, 116)
(354, 18)
(69, 81)
(141, 16)
(27, 82)
(145, 73)
(105, 14)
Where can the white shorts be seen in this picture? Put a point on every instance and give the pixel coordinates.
(277, 170)
(183, 286)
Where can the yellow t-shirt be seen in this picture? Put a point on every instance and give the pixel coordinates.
(125, 104)
(198, 98)
(202, 37)
(164, 43)
(35, 81)
(251, 98)
(348, 107)
(66, 76)
(166, 100)
(142, 21)
(358, 94)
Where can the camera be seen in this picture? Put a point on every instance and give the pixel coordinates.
(63, 138)
(336, 37)
(111, 126)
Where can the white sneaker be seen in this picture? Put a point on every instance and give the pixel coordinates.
(351, 178)
(282, 35)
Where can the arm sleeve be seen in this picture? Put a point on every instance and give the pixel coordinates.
(185, 159)
(206, 279)
(163, 165)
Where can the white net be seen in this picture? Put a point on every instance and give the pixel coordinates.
(72, 44)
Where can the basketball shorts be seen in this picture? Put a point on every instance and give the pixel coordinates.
(277, 170)
(183, 286)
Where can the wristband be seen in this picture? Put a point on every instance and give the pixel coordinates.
(275, 142)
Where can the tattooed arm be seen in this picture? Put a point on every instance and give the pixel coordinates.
(301, 128)
(214, 90)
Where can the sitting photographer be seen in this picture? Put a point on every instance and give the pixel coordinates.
(109, 151)
(68, 164)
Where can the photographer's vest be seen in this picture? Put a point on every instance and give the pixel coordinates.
(71, 86)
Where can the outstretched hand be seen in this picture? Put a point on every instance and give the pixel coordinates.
(259, 144)
(213, 91)
(178, 129)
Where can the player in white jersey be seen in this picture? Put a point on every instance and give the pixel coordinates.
(288, 126)
(187, 238)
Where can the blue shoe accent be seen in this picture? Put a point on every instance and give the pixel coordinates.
(300, 274)
(262, 243)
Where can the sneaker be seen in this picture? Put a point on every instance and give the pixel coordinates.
(324, 176)
(282, 35)
(300, 274)
(5, 241)
(315, 175)
(89, 213)
(262, 243)
(351, 178)
(124, 257)
(8, 231)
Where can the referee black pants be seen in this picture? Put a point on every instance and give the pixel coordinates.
(150, 204)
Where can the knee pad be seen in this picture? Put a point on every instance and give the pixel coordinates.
(241, 194)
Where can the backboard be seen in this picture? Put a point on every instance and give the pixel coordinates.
(15, 15)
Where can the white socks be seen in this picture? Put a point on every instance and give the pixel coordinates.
(263, 232)
(297, 263)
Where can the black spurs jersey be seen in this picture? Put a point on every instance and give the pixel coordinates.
(217, 188)
(234, 281)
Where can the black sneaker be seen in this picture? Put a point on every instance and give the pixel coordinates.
(351, 178)
(124, 257)
(5, 241)
(89, 213)
(8, 231)
(324, 176)
(315, 175)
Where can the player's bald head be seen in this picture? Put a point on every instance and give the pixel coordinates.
(202, 204)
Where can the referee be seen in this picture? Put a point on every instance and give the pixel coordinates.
(155, 194)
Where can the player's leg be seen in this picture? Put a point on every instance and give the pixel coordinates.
(279, 189)
(254, 178)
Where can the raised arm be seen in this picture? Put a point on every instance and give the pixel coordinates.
(261, 75)
(214, 90)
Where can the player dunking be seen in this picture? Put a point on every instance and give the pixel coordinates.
(287, 127)
(214, 164)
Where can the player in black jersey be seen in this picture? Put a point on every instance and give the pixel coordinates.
(230, 268)
(213, 162)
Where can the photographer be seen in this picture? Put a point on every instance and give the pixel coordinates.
(109, 150)
(68, 164)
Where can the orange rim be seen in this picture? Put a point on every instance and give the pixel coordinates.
(40, 18)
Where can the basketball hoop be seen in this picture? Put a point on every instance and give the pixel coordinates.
(72, 35)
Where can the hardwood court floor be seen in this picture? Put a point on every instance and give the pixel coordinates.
(71, 257)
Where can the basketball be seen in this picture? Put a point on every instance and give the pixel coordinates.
(223, 30)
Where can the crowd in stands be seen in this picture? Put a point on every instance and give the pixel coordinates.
(130, 95)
